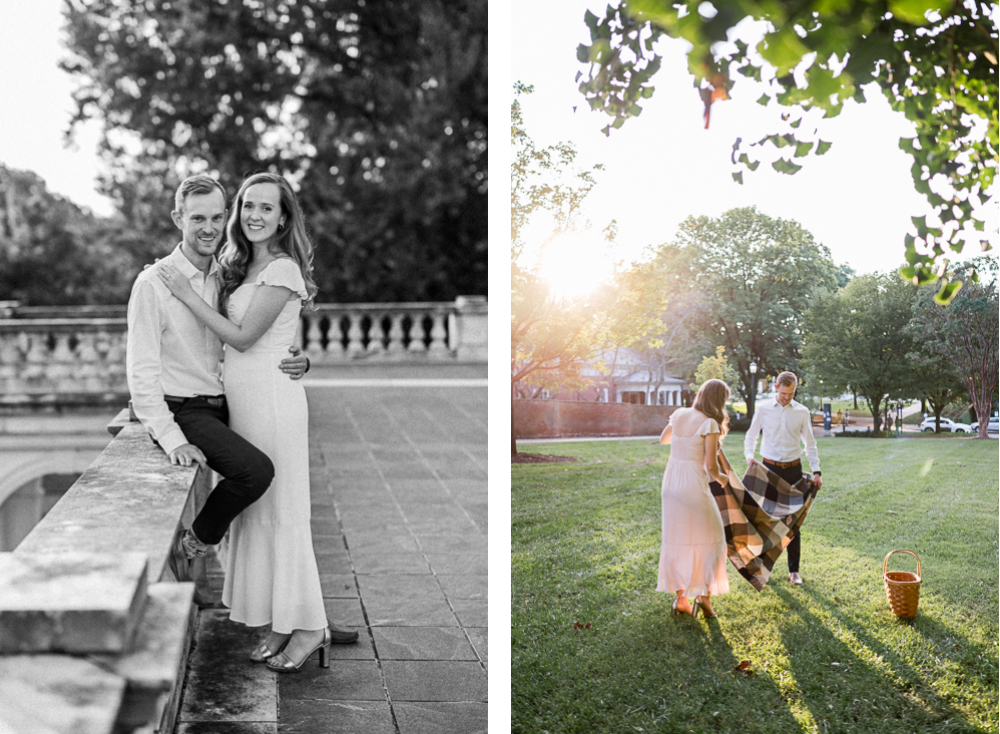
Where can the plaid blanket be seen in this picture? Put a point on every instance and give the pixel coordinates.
(761, 515)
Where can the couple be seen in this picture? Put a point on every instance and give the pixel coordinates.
(693, 549)
(254, 433)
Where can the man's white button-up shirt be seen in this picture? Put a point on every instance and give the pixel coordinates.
(785, 428)
(169, 352)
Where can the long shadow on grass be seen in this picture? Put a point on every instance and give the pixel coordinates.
(701, 685)
(844, 693)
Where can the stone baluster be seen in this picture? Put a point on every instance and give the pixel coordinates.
(314, 334)
(36, 359)
(376, 334)
(439, 334)
(355, 334)
(11, 361)
(88, 372)
(396, 333)
(417, 344)
(62, 367)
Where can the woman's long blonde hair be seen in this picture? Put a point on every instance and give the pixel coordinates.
(711, 401)
(291, 240)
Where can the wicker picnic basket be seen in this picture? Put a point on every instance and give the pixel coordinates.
(902, 588)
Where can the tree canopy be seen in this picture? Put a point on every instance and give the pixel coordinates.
(967, 336)
(54, 253)
(552, 334)
(377, 112)
(758, 276)
(934, 60)
(858, 338)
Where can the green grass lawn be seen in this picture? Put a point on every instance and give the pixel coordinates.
(825, 657)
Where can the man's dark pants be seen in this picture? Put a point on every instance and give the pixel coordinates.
(246, 470)
(790, 474)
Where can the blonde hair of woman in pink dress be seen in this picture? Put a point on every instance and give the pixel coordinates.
(693, 547)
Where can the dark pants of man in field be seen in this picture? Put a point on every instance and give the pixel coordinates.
(790, 474)
(246, 470)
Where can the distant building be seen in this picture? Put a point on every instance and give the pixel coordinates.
(631, 380)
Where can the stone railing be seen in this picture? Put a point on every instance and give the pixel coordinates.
(94, 628)
(76, 354)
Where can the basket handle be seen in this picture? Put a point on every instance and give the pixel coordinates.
(885, 563)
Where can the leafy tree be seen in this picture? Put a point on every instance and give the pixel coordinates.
(716, 368)
(934, 60)
(53, 253)
(758, 275)
(550, 334)
(966, 335)
(377, 112)
(857, 337)
(935, 382)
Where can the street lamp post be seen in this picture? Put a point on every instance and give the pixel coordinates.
(753, 388)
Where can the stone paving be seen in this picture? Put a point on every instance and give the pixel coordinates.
(399, 500)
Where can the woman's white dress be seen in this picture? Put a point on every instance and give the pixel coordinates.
(271, 573)
(693, 547)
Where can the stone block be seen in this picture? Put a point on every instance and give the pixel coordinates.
(51, 694)
(154, 666)
(72, 602)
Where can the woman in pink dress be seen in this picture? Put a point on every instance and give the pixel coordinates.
(271, 574)
(693, 548)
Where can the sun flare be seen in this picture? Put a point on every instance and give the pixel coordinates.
(575, 263)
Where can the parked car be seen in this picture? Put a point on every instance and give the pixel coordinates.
(992, 428)
(947, 425)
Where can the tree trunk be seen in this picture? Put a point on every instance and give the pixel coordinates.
(513, 433)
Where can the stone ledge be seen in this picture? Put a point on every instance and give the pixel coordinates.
(54, 694)
(70, 602)
(130, 499)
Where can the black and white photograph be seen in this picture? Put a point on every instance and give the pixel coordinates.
(243, 367)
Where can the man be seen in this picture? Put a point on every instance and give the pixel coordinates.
(785, 423)
(174, 371)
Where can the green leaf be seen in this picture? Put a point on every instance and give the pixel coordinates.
(591, 20)
(948, 290)
(912, 11)
(647, 92)
(783, 49)
(785, 166)
(823, 147)
(764, 99)
(738, 177)
(583, 53)
(802, 149)
(795, 124)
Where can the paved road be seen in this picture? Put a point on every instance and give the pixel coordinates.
(399, 493)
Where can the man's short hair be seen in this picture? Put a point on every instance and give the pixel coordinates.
(786, 378)
(197, 185)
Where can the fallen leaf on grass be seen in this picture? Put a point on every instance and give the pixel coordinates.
(744, 668)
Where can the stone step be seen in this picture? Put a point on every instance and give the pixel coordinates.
(55, 694)
(225, 691)
(154, 666)
(70, 602)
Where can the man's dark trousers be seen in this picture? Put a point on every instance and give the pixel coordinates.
(246, 471)
(790, 474)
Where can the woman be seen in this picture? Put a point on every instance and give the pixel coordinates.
(693, 549)
(271, 575)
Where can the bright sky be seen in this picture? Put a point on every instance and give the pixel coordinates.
(35, 105)
(664, 166)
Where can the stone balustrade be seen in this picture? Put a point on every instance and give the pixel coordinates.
(59, 355)
(94, 628)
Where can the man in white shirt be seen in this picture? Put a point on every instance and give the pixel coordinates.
(786, 425)
(174, 370)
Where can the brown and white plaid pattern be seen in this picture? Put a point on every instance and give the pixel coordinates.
(761, 515)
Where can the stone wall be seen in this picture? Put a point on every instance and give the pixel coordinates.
(564, 418)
